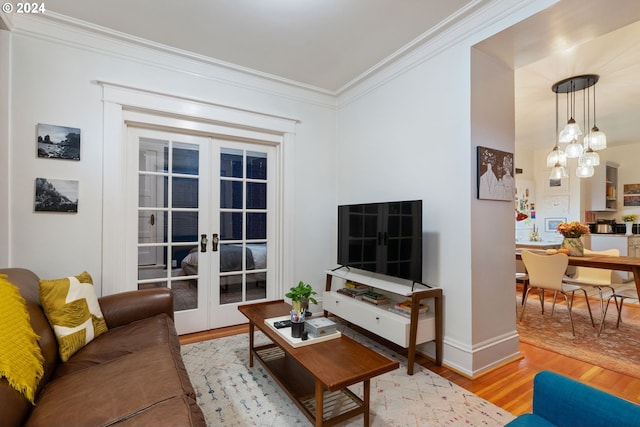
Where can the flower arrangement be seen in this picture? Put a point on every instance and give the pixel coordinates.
(629, 218)
(572, 229)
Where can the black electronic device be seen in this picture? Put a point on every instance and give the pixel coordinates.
(385, 238)
(282, 324)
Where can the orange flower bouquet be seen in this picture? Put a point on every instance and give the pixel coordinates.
(573, 229)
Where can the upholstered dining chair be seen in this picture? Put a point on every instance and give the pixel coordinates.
(547, 272)
(598, 278)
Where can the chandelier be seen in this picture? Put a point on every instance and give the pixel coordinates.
(584, 148)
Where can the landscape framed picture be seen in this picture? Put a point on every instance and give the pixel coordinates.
(56, 195)
(551, 224)
(58, 142)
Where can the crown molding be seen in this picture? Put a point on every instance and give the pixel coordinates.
(481, 20)
(53, 27)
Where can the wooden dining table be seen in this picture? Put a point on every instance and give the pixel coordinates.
(621, 263)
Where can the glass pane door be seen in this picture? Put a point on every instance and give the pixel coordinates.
(170, 215)
(244, 220)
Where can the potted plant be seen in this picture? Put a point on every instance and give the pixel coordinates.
(572, 231)
(300, 296)
(628, 220)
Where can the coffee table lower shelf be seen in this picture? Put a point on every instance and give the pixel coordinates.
(338, 405)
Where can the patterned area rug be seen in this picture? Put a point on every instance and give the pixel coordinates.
(232, 394)
(615, 349)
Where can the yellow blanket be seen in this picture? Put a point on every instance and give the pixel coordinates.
(21, 361)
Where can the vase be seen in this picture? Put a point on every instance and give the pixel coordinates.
(629, 226)
(574, 244)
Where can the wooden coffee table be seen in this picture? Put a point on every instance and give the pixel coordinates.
(316, 376)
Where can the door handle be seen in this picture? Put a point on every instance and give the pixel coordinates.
(152, 219)
(214, 242)
(203, 243)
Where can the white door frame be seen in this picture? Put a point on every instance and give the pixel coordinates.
(125, 105)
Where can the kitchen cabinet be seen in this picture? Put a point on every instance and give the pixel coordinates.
(602, 188)
(627, 245)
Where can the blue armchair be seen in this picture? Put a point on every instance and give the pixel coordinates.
(563, 402)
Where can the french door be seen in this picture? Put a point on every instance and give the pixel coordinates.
(204, 223)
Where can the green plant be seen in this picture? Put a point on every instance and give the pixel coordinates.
(629, 218)
(301, 291)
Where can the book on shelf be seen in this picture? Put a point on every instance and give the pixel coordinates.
(405, 313)
(355, 285)
(378, 300)
(406, 306)
(353, 293)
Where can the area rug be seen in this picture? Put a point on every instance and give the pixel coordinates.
(615, 349)
(232, 394)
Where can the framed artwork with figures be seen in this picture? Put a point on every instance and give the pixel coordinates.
(495, 175)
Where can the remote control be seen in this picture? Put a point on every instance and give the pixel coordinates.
(282, 324)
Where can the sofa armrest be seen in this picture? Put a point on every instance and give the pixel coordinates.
(126, 307)
(566, 403)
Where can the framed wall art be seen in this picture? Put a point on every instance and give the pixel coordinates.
(58, 142)
(631, 194)
(551, 224)
(495, 175)
(56, 195)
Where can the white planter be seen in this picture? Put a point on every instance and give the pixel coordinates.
(629, 226)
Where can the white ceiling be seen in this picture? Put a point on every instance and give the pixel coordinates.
(331, 44)
(321, 43)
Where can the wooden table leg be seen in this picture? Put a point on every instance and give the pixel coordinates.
(365, 401)
(636, 277)
(251, 328)
(319, 404)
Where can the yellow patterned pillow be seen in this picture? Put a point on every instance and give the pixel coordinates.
(73, 311)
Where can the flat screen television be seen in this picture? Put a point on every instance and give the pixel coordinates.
(384, 238)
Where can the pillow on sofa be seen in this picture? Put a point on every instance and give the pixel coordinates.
(73, 311)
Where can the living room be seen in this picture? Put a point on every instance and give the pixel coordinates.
(365, 143)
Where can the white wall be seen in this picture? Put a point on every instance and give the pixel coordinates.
(405, 133)
(54, 83)
(410, 136)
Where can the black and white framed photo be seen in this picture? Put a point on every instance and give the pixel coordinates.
(56, 195)
(495, 175)
(58, 142)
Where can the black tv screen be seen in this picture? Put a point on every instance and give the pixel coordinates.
(385, 238)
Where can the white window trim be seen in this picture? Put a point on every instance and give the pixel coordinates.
(123, 105)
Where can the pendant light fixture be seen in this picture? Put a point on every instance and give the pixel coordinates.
(557, 159)
(583, 149)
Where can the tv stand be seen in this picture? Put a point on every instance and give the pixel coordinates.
(407, 332)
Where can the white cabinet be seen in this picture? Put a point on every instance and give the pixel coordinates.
(602, 194)
(634, 246)
(627, 245)
(404, 331)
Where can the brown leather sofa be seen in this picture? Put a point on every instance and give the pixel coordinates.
(132, 375)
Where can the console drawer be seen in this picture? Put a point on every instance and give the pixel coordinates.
(379, 320)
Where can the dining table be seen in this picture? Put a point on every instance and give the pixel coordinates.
(621, 263)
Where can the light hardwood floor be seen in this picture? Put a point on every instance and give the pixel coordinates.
(510, 386)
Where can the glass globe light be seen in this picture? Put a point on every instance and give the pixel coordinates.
(556, 156)
(597, 139)
(558, 172)
(574, 150)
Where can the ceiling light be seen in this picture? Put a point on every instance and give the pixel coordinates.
(592, 141)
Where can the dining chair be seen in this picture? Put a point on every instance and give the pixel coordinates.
(598, 278)
(547, 272)
(621, 294)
